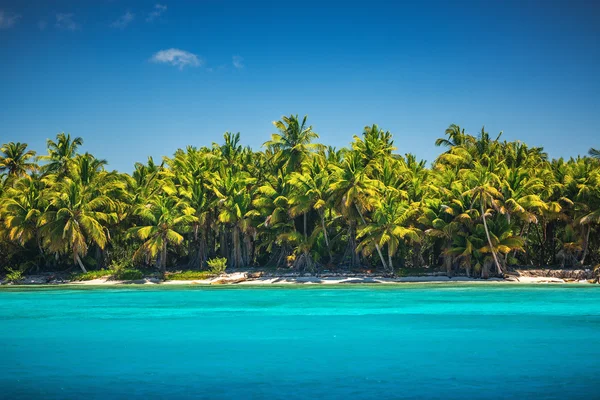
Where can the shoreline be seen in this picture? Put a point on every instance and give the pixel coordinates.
(244, 279)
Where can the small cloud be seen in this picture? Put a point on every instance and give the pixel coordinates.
(42, 24)
(66, 22)
(123, 20)
(158, 10)
(238, 62)
(8, 20)
(178, 58)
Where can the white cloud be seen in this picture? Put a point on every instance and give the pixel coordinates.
(66, 22)
(158, 10)
(8, 20)
(178, 58)
(238, 62)
(123, 20)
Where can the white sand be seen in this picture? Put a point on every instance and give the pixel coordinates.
(240, 278)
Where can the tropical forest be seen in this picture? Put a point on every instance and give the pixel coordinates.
(482, 207)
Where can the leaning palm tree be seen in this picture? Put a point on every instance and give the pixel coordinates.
(594, 153)
(166, 218)
(483, 184)
(15, 160)
(391, 224)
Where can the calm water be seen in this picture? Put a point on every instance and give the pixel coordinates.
(452, 342)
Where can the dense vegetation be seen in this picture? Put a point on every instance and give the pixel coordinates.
(483, 205)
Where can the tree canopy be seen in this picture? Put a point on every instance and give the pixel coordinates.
(484, 205)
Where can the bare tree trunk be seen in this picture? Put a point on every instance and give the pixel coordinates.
(487, 233)
(237, 249)
(305, 223)
(223, 243)
(391, 265)
(326, 237)
(586, 243)
(80, 263)
(163, 259)
(448, 265)
(354, 257)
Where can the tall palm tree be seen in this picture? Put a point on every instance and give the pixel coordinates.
(15, 160)
(483, 187)
(293, 143)
(166, 219)
(594, 153)
(234, 206)
(353, 192)
(61, 153)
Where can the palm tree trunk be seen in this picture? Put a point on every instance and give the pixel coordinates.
(305, 233)
(163, 259)
(586, 245)
(385, 267)
(354, 256)
(487, 233)
(448, 265)
(80, 263)
(237, 249)
(325, 235)
(390, 260)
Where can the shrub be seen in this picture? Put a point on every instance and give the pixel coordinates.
(217, 265)
(121, 274)
(189, 275)
(88, 276)
(128, 274)
(14, 276)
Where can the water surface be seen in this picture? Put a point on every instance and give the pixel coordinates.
(366, 342)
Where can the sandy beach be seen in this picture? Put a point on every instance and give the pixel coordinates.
(243, 279)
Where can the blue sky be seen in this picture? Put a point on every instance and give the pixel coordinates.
(139, 78)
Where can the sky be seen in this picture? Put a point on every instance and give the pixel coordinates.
(144, 78)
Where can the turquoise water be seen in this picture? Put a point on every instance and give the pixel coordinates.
(365, 342)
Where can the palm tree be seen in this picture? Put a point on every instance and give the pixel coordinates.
(21, 210)
(15, 160)
(309, 192)
(483, 184)
(61, 154)
(464, 248)
(352, 192)
(456, 137)
(594, 153)
(165, 218)
(293, 142)
(77, 217)
(234, 206)
(391, 224)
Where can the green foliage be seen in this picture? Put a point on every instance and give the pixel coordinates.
(127, 275)
(217, 265)
(482, 206)
(189, 275)
(14, 276)
(91, 275)
(120, 274)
